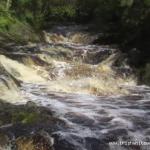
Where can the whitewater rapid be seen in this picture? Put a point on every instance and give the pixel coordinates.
(100, 120)
(98, 102)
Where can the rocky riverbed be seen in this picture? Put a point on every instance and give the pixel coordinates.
(70, 94)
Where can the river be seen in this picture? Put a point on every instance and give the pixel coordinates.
(83, 85)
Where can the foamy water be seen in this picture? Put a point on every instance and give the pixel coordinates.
(91, 122)
(103, 119)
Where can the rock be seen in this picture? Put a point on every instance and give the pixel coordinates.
(80, 119)
(25, 144)
(64, 143)
(95, 144)
(46, 135)
(23, 124)
(4, 140)
(39, 141)
(114, 134)
(31, 104)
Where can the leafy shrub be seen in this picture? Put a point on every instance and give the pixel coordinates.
(65, 12)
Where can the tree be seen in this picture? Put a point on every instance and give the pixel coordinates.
(8, 4)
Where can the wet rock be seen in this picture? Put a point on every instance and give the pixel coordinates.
(95, 144)
(147, 132)
(131, 98)
(140, 123)
(21, 113)
(64, 145)
(118, 132)
(67, 142)
(80, 119)
(46, 135)
(39, 141)
(104, 120)
(31, 104)
(25, 144)
(124, 71)
(114, 134)
(24, 119)
(102, 111)
(4, 141)
(98, 56)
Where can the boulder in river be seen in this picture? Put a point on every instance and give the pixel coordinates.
(39, 141)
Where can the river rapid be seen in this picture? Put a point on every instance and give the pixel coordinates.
(90, 88)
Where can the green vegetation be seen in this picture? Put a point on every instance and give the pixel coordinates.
(63, 13)
(124, 21)
(13, 29)
(25, 117)
(23, 114)
(22, 20)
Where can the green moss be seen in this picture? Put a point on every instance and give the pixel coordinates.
(25, 117)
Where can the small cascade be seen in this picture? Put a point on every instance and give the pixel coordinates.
(9, 90)
(85, 100)
(20, 71)
(94, 122)
(70, 34)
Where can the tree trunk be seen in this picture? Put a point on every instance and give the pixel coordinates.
(8, 4)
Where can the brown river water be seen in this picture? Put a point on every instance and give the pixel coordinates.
(99, 102)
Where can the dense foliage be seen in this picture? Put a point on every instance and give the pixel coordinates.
(127, 21)
(21, 20)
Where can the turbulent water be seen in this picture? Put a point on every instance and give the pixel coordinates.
(98, 101)
(93, 122)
